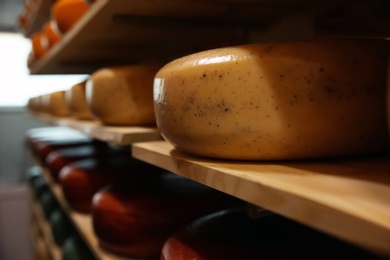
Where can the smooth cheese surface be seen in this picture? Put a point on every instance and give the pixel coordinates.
(292, 100)
(56, 104)
(123, 95)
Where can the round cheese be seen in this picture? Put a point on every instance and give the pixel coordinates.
(55, 104)
(123, 95)
(77, 102)
(293, 100)
(66, 13)
(52, 33)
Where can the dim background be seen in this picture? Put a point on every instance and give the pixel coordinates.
(16, 87)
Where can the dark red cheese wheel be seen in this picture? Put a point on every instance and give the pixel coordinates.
(58, 159)
(80, 180)
(42, 141)
(135, 218)
(231, 234)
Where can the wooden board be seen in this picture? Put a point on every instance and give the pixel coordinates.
(116, 135)
(82, 223)
(117, 32)
(45, 228)
(345, 198)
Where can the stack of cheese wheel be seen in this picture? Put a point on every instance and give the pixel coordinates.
(231, 234)
(134, 218)
(77, 102)
(41, 141)
(66, 13)
(80, 180)
(274, 101)
(74, 248)
(52, 32)
(55, 104)
(58, 159)
(61, 226)
(123, 95)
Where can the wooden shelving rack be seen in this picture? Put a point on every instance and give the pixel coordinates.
(345, 198)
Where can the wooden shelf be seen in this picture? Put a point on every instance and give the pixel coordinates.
(38, 17)
(345, 198)
(115, 32)
(45, 228)
(116, 135)
(81, 222)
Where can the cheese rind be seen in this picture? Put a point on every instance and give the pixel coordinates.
(122, 95)
(77, 102)
(272, 101)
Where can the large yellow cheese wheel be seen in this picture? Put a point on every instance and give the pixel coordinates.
(293, 100)
(123, 95)
(77, 102)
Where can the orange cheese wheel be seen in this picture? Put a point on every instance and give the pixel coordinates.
(67, 12)
(52, 33)
(40, 44)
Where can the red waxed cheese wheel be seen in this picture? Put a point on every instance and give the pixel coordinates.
(80, 180)
(58, 159)
(42, 141)
(231, 234)
(134, 219)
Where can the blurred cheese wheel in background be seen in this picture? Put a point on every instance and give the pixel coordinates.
(40, 44)
(61, 226)
(42, 141)
(52, 33)
(74, 248)
(135, 218)
(48, 202)
(77, 102)
(123, 95)
(80, 180)
(275, 101)
(66, 13)
(58, 159)
(56, 105)
(232, 234)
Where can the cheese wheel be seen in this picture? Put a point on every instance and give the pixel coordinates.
(272, 101)
(40, 44)
(66, 13)
(58, 159)
(41, 250)
(74, 248)
(55, 104)
(80, 180)
(76, 100)
(123, 95)
(134, 218)
(61, 227)
(52, 33)
(231, 234)
(48, 202)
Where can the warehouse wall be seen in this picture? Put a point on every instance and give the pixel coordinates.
(14, 121)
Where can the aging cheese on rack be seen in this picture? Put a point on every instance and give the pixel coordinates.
(66, 13)
(61, 226)
(76, 99)
(55, 104)
(52, 33)
(232, 234)
(80, 180)
(293, 100)
(42, 141)
(123, 95)
(136, 217)
(58, 159)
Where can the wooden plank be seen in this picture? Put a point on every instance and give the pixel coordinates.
(115, 32)
(342, 197)
(117, 135)
(45, 228)
(82, 223)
